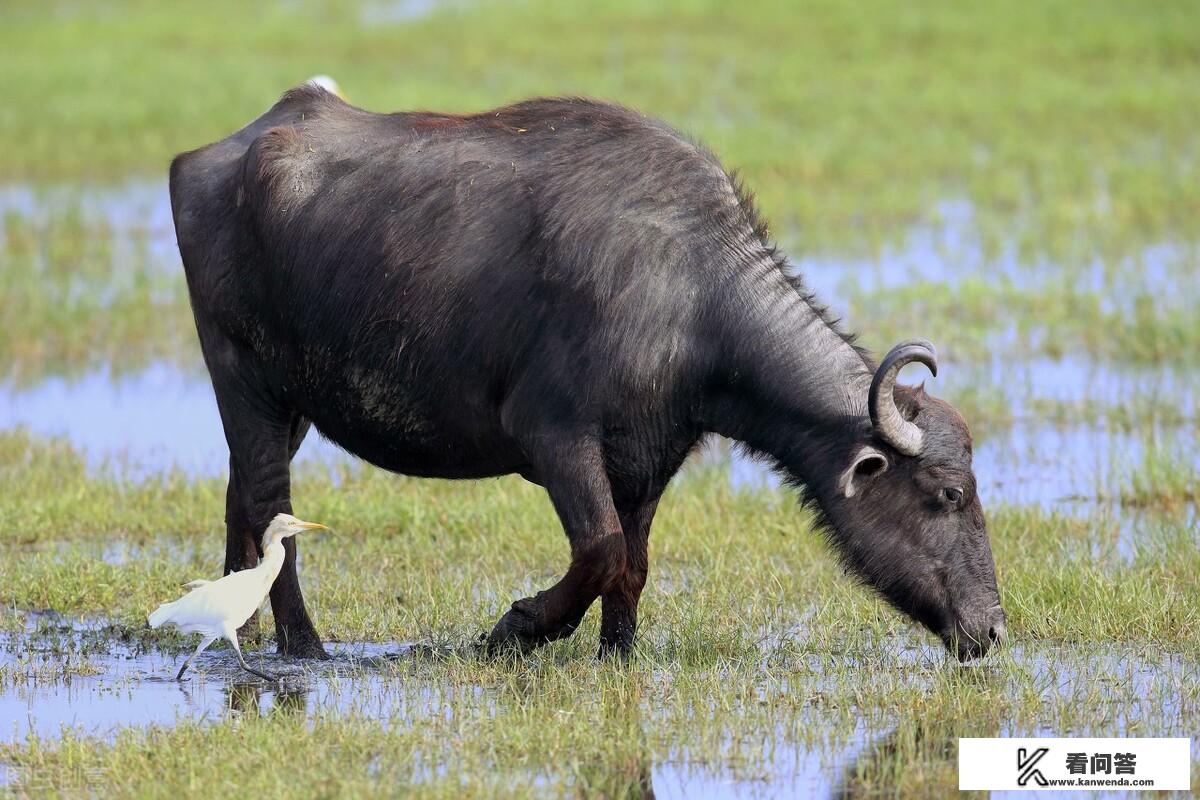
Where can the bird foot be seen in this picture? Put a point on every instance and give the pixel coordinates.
(263, 675)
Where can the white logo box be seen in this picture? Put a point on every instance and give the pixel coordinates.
(1042, 764)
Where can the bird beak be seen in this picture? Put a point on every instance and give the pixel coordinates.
(312, 526)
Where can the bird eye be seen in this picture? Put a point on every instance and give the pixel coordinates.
(953, 494)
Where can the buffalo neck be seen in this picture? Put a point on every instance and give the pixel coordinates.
(793, 388)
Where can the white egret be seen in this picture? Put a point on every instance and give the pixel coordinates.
(327, 83)
(216, 609)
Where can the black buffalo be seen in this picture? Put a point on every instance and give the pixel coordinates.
(570, 291)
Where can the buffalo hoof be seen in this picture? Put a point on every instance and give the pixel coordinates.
(616, 636)
(305, 647)
(517, 630)
(618, 650)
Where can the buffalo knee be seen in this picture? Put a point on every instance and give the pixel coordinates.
(602, 560)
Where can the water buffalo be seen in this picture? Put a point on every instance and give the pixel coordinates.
(570, 291)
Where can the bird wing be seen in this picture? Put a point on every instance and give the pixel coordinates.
(214, 604)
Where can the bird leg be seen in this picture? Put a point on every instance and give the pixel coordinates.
(232, 637)
(203, 646)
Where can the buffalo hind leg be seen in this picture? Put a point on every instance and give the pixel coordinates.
(243, 539)
(574, 477)
(619, 605)
(262, 439)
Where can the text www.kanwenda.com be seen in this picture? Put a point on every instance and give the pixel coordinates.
(1099, 782)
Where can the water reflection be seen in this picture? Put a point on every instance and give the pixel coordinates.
(881, 766)
(257, 698)
(93, 678)
(863, 775)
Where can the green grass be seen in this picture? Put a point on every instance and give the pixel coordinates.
(1071, 134)
(1165, 478)
(850, 121)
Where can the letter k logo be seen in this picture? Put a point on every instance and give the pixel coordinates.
(1026, 762)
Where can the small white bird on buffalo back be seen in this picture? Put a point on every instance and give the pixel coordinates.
(216, 609)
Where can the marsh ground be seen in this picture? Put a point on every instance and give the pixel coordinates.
(1021, 188)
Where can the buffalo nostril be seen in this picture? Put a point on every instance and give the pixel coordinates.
(996, 632)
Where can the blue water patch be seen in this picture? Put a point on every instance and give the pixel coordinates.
(142, 423)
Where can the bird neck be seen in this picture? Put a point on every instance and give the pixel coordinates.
(273, 555)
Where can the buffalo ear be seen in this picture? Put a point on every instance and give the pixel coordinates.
(866, 464)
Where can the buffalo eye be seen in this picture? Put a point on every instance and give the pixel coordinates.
(953, 494)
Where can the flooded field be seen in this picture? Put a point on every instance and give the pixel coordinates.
(1087, 463)
(62, 678)
(1022, 197)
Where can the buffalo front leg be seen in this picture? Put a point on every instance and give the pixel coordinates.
(619, 605)
(578, 487)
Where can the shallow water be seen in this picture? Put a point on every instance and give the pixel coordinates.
(137, 212)
(948, 248)
(132, 686)
(1069, 469)
(123, 685)
(146, 422)
(1069, 380)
